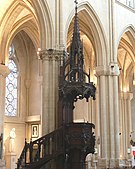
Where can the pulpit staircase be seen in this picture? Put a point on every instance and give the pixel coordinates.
(57, 146)
(39, 152)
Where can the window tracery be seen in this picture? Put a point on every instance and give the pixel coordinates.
(11, 85)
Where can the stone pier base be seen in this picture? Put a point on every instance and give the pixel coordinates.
(2, 164)
(112, 164)
(11, 161)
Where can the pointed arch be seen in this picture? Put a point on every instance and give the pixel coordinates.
(45, 23)
(36, 22)
(130, 31)
(126, 57)
(17, 11)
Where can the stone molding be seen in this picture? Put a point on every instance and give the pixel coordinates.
(126, 95)
(111, 70)
(108, 163)
(4, 70)
(40, 80)
(51, 54)
(27, 83)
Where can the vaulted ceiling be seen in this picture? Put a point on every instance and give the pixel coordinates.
(15, 16)
(126, 60)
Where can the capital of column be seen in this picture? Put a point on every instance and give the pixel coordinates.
(27, 83)
(126, 95)
(51, 54)
(109, 70)
(4, 70)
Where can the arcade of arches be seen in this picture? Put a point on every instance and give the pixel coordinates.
(30, 28)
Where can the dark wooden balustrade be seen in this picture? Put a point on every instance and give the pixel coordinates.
(68, 146)
(42, 150)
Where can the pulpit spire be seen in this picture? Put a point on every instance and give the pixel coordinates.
(75, 82)
(76, 51)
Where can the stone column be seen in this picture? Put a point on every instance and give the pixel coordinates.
(4, 71)
(59, 41)
(108, 115)
(51, 62)
(125, 123)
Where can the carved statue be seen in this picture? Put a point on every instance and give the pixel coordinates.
(12, 136)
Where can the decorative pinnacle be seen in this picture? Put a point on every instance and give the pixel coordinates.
(76, 2)
(76, 5)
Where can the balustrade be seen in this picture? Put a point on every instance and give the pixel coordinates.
(42, 150)
(59, 144)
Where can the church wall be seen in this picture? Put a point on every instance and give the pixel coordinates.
(29, 94)
(34, 86)
(29, 82)
(19, 139)
(67, 10)
(124, 18)
(18, 122)
(102, 11)
(52, 7)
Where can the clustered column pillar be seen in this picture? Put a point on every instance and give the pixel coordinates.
(125, 123)
(51, 61)
(108, 115)
(4, 71)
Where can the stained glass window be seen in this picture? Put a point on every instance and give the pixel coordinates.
(11, 85)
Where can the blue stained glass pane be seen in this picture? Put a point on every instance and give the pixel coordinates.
(10, 87)
(10, 98)
(11, 65)
(10, 108)
(14, 103)
(14, 93)
(15, 83)
(11, 76)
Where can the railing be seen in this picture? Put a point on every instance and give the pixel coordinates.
(42, 150)
(61, 146)
(129, 3)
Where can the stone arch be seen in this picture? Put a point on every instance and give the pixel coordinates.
(12, 25)
(45, 23)
(126, 61)
(94, 24)
(130, 30)
(31, 23)
(126, 42)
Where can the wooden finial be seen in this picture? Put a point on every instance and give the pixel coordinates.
(76, 2)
